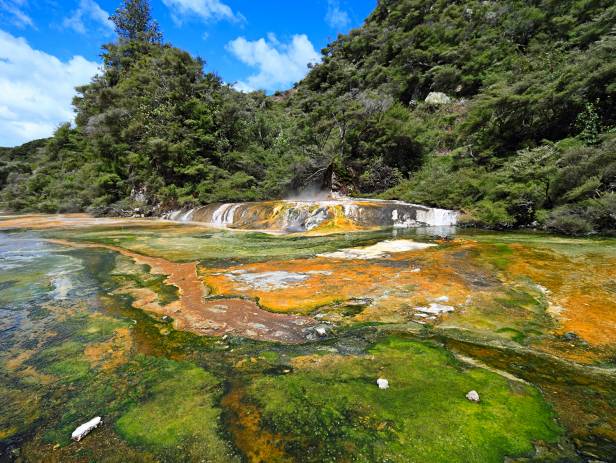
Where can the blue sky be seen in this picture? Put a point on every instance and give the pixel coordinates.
(49, 46)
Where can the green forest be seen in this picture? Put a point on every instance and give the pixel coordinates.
(503, 109)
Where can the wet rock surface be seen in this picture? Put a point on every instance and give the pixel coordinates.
(304, 215)
(264, 348)
(214, 317)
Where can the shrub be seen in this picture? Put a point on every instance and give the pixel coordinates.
(569, 222)
(602, 212)
(491, 214)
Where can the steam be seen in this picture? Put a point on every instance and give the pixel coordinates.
(312, 193)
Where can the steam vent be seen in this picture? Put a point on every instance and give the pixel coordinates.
(300, 216)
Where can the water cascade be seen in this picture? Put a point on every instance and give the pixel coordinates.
(298, 216)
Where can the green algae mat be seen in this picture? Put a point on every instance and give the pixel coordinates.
(527, 321)
(330, 405)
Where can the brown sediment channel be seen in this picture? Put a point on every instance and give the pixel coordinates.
(196, 313)
(257, 444)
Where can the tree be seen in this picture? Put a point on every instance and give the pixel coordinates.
(133, 21)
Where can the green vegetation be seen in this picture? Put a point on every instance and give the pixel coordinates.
(526, 139)
(332, 410)
(151, 128)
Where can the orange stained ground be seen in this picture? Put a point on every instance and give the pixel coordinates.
(389, 282)
(584, 287)
(111, 353)
(67, 221)
(338, 224)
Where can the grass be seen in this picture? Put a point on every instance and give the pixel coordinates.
(332, 410)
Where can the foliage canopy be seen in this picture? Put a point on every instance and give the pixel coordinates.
(527, 137)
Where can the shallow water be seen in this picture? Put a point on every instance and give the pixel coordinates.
(196, 344)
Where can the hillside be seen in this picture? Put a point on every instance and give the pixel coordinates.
(518, 128)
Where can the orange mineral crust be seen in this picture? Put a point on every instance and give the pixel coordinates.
(301, 285)
(581, 290)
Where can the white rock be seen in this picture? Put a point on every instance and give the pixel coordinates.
(473, 396)
(435, 308)
(437, 98)
(83, 430)
(379, 250)
(321, 331)
(268, 281)
(382, 383)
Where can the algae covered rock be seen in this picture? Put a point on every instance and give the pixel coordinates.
(178, 414)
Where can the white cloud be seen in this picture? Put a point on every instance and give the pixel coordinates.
(14, 9)
(204, 9)
(336, 17)
(279, 65)
(88, 9)
(36, 90)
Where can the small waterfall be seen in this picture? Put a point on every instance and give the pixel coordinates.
(179, 215)
(403, 219)
(297, 215)
(316, 218)
(302, 216)
(437, 217)
(187, 217)
(351, 211)
(173, 215)
(225, 214)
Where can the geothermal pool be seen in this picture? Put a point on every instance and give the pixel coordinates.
(196, 343)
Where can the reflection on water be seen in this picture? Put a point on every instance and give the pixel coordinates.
(531, 327)
(441, 231)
